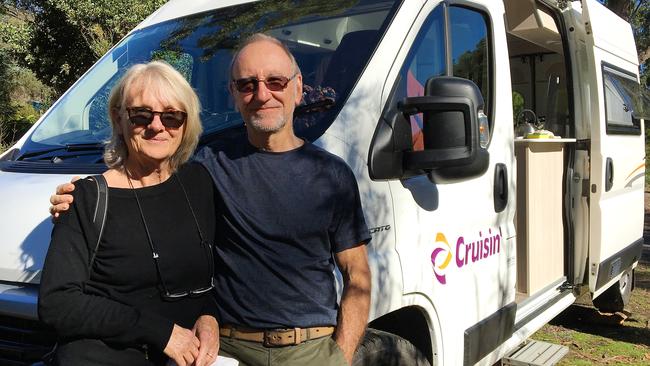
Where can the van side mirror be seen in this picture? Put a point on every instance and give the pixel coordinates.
(451, 131)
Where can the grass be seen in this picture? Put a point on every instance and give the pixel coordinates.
(594, 338)
(597, 339)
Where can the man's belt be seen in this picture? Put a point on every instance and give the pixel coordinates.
(275, 337)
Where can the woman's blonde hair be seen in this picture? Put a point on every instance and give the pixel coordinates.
(169, 86)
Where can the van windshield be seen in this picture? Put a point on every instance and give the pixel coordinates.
(331, 40)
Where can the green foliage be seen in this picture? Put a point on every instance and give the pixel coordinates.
(27, 88)
(14, 37)
(60, 54)
(517, 104)
(640, 20)
(5, 101)
(101, 23)
(179, 60)
(70, 35)
(473, 65)
(5, 88)
(20, 89)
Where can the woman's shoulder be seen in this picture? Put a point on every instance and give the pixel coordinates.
(85, 186)
(84, 201)
(85, 191)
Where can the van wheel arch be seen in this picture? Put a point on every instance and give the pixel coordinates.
(617, 296)
(380, 348)
(399, 329)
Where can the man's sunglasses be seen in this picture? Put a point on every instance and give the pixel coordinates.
(273, 83)
(142, 117)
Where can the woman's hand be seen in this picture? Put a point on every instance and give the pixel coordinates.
(206, 329)
(183, 346)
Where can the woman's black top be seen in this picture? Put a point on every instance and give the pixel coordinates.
(121, 302)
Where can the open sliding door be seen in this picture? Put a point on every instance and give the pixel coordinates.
(617, 147)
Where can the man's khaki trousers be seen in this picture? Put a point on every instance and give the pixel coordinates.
(322, 351)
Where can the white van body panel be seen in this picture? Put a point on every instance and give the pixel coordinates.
(27, 225)
(609, 31)
(436, 209)
(355, 126)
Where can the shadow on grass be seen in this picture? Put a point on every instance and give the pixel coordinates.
(642, 272)
(588, 320)
(642, 277)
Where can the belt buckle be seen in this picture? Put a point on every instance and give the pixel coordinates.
(282, 337)
(272, 338)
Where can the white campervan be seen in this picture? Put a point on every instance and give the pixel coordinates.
(498, 146)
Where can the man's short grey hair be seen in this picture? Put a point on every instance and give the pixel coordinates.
(261, 37)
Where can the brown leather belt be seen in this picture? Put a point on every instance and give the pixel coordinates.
(275, 337)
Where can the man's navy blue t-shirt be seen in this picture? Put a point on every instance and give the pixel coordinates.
(280, 219)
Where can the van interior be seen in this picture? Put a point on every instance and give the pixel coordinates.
(537, 67)
(539, 75)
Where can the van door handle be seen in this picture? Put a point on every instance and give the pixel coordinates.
(500, 187)
(609, 174)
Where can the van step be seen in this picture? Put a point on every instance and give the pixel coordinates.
(536, 353)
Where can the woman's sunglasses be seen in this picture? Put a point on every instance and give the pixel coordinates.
(273, 83)
(142, 117)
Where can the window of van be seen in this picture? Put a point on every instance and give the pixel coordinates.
(467, 35)
(426, 59)
(625, 102)
(469, 48)
(332, 42)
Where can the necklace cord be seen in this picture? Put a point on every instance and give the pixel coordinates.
(154, 251)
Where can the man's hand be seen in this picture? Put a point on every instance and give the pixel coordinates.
(355, 302)
(182, 347)
(62, 199)
(206, 329)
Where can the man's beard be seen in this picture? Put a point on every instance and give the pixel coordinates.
(257, 123)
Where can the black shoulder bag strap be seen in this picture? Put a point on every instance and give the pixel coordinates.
(99, 217)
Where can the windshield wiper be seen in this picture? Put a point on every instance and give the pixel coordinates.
(67, 148)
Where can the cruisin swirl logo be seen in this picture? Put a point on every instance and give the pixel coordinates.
(441, 257)
(466, 252)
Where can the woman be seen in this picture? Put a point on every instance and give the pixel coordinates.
(151, 276)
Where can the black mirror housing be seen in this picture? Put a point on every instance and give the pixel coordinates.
(450, 115)
(452, 148)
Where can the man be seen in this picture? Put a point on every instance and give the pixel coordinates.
(287, 209)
